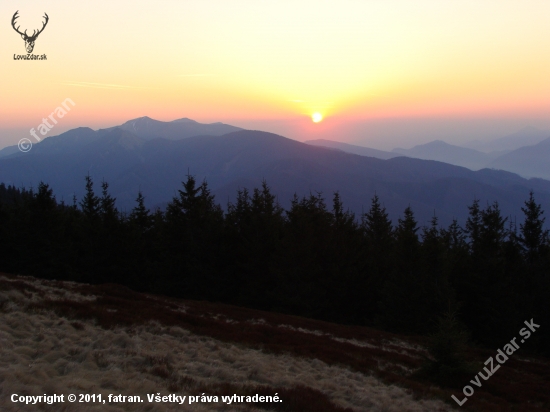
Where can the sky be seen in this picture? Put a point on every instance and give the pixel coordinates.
(383, 73)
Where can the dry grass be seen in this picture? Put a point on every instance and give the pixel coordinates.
(62, 337)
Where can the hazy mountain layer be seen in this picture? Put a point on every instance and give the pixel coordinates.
(445, 152)
(529, 161)
(242, 159)
(349, 148)
(527, 136)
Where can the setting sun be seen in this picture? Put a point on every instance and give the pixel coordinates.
(316, 117)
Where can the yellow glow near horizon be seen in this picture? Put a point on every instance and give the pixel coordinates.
(211, 60)
(316, 117)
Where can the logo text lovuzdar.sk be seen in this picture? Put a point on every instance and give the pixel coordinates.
(29, 39)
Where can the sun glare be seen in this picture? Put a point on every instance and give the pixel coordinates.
(316, 117)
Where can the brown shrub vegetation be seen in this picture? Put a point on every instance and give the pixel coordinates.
(519, 385)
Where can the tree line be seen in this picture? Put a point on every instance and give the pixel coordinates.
(314, 260)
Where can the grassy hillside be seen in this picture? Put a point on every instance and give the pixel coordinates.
(63, 337)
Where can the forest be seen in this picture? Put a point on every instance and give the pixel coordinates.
(315, 259)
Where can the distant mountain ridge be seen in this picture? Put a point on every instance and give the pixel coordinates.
(143, 127)
(529, 161)
(528, 136)
(349, 148)
(445, 152)
(244, 158)
(148, 128)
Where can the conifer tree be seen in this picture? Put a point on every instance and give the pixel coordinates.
(140, 215)
(239, 213)
(535, 247)
(447, 346)
(405, 233)
(44, 198)
(492, 233)
(473, 224)
(533, 237)
(377, 229)
(255, 229)
(377, 226)
(107, 207)
(90, 203)
(193, 228)
(403, 294)
(433, 246)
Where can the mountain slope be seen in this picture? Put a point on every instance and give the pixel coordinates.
(185, 347)
(349, 148)
(8, 151)
(143, 127)
(148, 128)
(64, 337)
(527, 136)
(445, 152)
(528, 161)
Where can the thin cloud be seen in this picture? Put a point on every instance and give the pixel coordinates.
(102, 85)
(195, 75)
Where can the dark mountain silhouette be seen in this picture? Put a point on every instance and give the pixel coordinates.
(8, 151)
(68, 142)
(143, 127)
(528, 161)
(243, 158)
(349, 148)
(527, 136)
(148, 128)
(448, 153)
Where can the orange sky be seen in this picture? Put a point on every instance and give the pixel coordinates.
(267, 62)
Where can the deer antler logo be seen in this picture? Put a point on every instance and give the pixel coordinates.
(29, 40)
